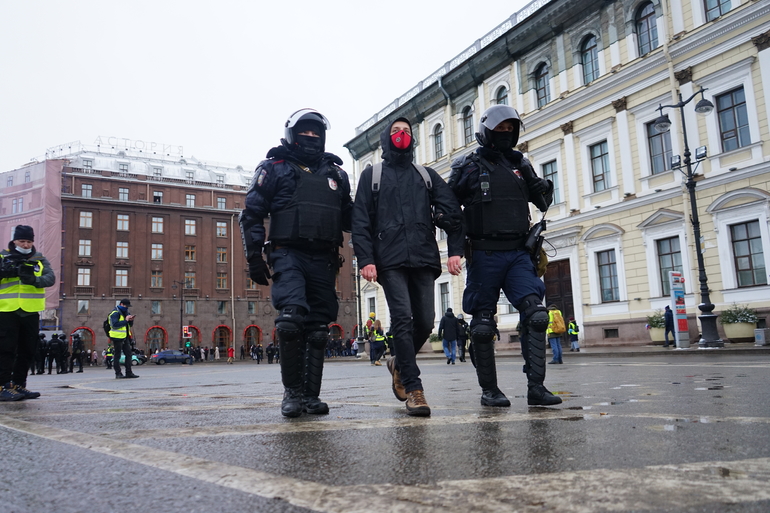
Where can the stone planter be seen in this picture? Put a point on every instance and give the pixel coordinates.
(740, 331)
(437, 347)
(658, 335)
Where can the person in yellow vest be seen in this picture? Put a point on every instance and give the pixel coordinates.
(120, 334)
(24, 274)
(555, 332)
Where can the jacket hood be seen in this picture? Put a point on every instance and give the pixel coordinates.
(392, 155)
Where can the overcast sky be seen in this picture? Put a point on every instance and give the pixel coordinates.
(216, 77)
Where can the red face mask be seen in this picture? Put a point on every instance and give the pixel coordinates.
(401, 140)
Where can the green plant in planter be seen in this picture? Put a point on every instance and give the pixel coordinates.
(434, 338)
(656, 320)
(737, 314)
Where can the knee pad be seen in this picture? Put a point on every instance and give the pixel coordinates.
(289, 324)
(483, 328)
(535, 313)
(317, 337)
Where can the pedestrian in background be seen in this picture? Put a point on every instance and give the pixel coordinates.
(462, 336)
(24, 275)
(573, 331)
(448, 329)
(230, 354)
(121, 322)
(668, 316)
(555, 331)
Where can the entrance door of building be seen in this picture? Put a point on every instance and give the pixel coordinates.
(558, 288)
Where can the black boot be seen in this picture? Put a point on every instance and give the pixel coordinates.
(291, 344)
(314, 367)
(486, 371)
(534, 355)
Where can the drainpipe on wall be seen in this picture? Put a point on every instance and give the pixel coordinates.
(448, 124)
(232, 274)
(667, 54)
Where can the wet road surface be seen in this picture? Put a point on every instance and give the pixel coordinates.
(645, 433)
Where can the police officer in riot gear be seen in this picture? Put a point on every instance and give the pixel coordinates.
(495, 185)
(56, 354)
(41, 354)
(77, 352)
(307, 196)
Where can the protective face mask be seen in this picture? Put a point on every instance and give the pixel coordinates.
(502, 140)
(310, 145)
(401, 140)
(24, 251)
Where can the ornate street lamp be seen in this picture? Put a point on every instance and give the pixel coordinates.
(181, 312)
(708, 321)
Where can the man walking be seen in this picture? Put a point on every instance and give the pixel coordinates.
(395, 244)
(462, 336)
(554, 332)
(668, 317)
(448, 330)
(121, 322)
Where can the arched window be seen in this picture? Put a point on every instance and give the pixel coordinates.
(501, 98)
(438, 141)
(541, 85)
(336, 332)
(467, 125)
(589, 58)
(646, 28)
(156, 339)
(222, 336)
(252, 335)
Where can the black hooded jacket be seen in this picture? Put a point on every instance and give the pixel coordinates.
(394, 228)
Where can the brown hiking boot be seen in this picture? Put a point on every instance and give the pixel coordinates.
(398, 387)
(416, 405)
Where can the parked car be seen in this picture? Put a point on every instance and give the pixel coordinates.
(136, 359)
(171, 356)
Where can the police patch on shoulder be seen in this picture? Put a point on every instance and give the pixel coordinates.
(332, 184)
(261, 177)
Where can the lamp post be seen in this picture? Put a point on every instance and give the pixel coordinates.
(181, 313)
(708, 321)
(358, 300)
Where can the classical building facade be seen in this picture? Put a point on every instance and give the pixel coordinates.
(588, 77)
(160, 229)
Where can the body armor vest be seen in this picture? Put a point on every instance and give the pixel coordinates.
(314, 213)
(500, 211)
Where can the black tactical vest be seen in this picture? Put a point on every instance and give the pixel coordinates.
(314, 213)
(504, 213)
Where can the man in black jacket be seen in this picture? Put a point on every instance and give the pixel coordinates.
(395, 244)
(495, 185)
(448, 333)
(307, 196)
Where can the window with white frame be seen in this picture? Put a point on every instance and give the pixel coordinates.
(84, 247)
(748, 254)
(220, 180)
(155, 308)
(438, 141)
(551, 172)
(123, 222)
(84, 277)
(646, 28)
(716, 8)
(157, 173)
(589, 58)
(9, 181)
(445, 301)
(123, 193)
(157, 252)
(86, 219)
(468, 133)
(189, 176)
(659, 145)
(221, 229)
(608, 276)
(606, 269)
(542, 88)
(669, 259)
(84, 306)
(600, 166)
(123, 169)
(664, 233)
(17, 205)
(121, 277)
(88, 165)
(157, 197)
(189, 226)
(221, 203)
(189, 200)
(27, 177)
(157, 225)
(733, 120)
(121, 250)
(86, 189)
(372, 304)
(501, 98)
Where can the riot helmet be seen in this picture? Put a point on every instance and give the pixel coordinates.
(492, 117)
(305, 146)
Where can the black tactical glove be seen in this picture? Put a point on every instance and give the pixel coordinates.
(27, 274)
(447, 222)
(538, 186)
(258, 270)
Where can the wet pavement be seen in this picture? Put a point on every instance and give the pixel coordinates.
(639, 430)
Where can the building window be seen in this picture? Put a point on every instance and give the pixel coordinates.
(733, 120)
(86, 189)
(608, 276)
(123, 170)
(589, 58)
(189, 307)
(443, 289)
(189, 280)
(502, 96)
(157, 252)
(716, 8)
(221, 203)
(84, 306)
(372, 305)
(468, 134)
(84, 247)
(189, 253)
(189, 200)
(646, 29)
(121, 277)
(748, 254)
(252, 308)
(669, 259)
(222, 255)
(220, 180)
(27, 177)
(438, 141)
(155, 308)
(9, 181)
(221, 280)
(122, 222)
(551, 172)
(660, 149)
(541, 85)
(189, 176)
(156, 279)
(123, 194)
(121, 250)
(600, 166)
(221, 229)
(86, 219)
(84, 277)
(157, 225)
(157, 197)
(251, 284)
(222, 307)
(189, 226)
(157, 173)
(17, 206)
(88, 165)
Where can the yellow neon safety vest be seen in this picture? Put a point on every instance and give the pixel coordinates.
(15, 295)
(118, 332)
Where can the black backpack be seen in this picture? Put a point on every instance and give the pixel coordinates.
(106, 326)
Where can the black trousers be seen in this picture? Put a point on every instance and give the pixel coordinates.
(410, 295)
(122, 345)
(18, 336)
